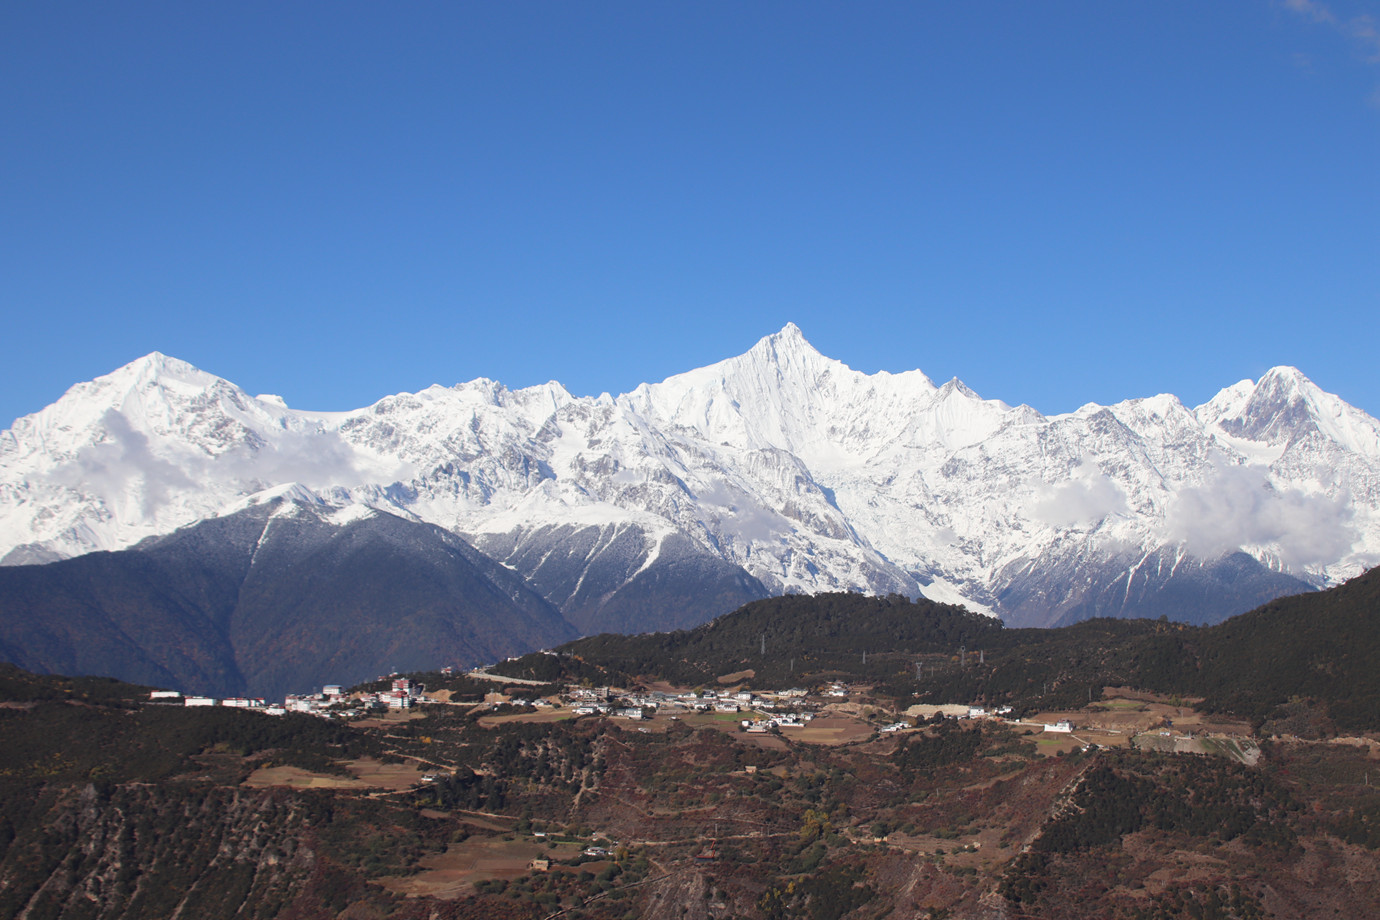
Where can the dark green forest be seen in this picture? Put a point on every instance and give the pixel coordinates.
(1316, 651)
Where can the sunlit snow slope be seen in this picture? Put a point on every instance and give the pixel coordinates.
(777, 470)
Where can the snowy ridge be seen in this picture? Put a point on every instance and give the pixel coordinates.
(807, 474)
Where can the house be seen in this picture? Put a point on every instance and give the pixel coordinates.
(199, 701)
(1063, 725)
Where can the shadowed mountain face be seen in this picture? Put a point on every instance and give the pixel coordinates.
(1060, 592)
(604, 579)
(275, 599)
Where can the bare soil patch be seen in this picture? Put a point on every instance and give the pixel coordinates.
(497, 823)
(541, 715)
(765, 740)
(452, 874)
(832, 729)
(297, 778)
(380, 775)
(1132, 713)
(390, 718)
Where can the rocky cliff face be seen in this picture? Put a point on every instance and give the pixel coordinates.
(777, 470)
(145, 851)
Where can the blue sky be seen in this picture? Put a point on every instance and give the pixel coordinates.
(1054, 202)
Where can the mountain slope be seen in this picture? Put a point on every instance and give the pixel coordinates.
(281, 596)
(779, 470)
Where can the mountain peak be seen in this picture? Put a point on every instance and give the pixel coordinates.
(155, 364)
(1284, 376)
(787, 343)
(1282, 406)
(956, 386)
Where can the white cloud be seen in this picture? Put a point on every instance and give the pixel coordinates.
(318, 460)
(122, 465)
(1314, 11)
(1086, 499)
(1237, 506)
(1366, 30)
(1362, 29)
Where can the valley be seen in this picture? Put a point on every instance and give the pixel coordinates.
(585, 783)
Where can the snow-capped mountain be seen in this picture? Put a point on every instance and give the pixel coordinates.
(777, 470)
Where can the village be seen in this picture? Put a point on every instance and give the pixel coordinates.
(772, 732)
(832, 713)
